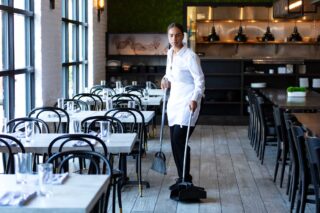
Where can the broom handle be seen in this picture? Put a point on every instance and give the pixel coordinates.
(162, 117)
(186, 147)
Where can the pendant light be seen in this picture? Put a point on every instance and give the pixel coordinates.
(295, 36)
(213, 36)
(268, 36)
(240, 37)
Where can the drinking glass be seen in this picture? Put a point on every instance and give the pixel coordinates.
(4, 125)
(109, 104)
(70, 106)
(22, 167)
(134, 83)
(29, 130)
(118, 87)
(105, 130)
(132, 104)
(105, 94)
(102, 82)
(146, 94)
(148, 85)
(60, 102)
(75, 126)
(45, 178)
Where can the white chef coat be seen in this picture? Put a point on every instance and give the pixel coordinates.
(187, 83)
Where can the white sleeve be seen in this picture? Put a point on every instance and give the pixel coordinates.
(198, 77)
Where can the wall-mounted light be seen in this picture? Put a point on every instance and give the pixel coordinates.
(99, 4)
(52, 3)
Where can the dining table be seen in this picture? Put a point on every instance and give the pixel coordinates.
(310, 121)
(77, 194)
(280, 98)
(81, 115)
(117, 143)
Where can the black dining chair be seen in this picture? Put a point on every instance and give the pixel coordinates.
(95, 101)
(59, 126)
(92, 125)
(17, 125)
(304, 171)
(127, 97)
(282, 143)
(78, 105)
(266, 132)
(10, 145)
(312, 144)
(82, 141)
(99, 164)
(293, 174)
(139, 147)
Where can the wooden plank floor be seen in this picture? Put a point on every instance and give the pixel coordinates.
(225, 164)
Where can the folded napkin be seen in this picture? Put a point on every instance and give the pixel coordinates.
(54, 115)
(82, 143)
(59, 178)
(122, 115)
(16, 198)
(19, 134)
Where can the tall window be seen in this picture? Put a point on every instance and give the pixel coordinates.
(74, 45)
(16, 58)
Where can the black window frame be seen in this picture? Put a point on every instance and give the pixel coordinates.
(66, 61)
(9, 105)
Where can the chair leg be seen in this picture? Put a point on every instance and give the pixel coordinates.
(113, 195)
(284, 159)
(277, 163)
(119, 195)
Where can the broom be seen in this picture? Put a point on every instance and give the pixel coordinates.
(159, 162)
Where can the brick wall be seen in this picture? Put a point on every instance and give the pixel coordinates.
(48, 55)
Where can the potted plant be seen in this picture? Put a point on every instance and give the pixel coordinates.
(296, 91)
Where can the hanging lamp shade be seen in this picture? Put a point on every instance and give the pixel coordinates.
(295, 36)
(268, 36)
(240, 37)
(213, 36)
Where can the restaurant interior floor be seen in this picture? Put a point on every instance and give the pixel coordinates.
(224, 163)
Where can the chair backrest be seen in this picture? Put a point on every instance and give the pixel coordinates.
(78, 104)
(290, 120)
(313, 143)
(91, 124)
(126, 97)
(135, 126)
(10, 145)
(53, 112)
(98, 163)
(84, 141)
(299, 141)
(97, 89)
(17, 124)
(137, 90)
(95, 101)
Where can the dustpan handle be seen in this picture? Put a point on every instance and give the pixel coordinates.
(162, 116)
(186, 147)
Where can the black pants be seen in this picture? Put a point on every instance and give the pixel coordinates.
(178, 141)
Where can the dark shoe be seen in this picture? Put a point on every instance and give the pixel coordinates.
(173, 186)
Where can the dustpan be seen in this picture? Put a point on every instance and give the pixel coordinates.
(186, 191)
(159, 162)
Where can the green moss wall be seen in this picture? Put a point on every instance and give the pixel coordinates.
(151, 15)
